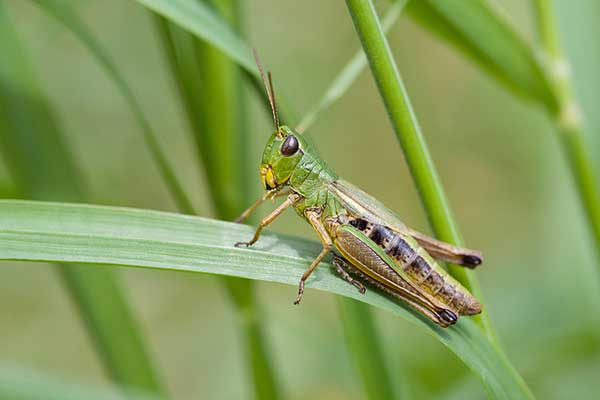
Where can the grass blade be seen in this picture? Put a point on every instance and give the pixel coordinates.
(42, 168)
(198, 18)
(65, 14)
(568, 117)
(202, 21)
(209, 87)
(359, 326)
(407, 130)
(209, 84)
(41, 231)
(17, 383)
(183, 52)
(480, 32)
(9, 191)
(475, 28)
(361, 336)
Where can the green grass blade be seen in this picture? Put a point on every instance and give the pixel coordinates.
(568, 118)
(405, 125)
(64, 13)
(210, 86)
(483, 35)
(141, 238)
(9, 191)
(359, 327)
(351, 71)
(204, 23)
(408, 131)
(18, 383)
(201, 20)
(182, 51)
(361, 336)
(42, 168)
(476, 28)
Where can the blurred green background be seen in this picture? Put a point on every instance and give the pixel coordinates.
(498, 158)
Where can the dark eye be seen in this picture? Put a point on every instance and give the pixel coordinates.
(290, 146)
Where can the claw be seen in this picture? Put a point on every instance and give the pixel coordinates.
(240, 244)
(360, 287)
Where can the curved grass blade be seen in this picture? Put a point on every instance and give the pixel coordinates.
(39, 231)
(184, 52)
(64, 13)
(209, 85)
(476, 28)
(198, 18)
(408, 132)
(568, 119)
(482, 34)
(42, 168)
(203, 22)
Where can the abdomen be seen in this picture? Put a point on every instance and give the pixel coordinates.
(420, 267)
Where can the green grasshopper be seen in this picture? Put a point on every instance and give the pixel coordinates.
(376, 247)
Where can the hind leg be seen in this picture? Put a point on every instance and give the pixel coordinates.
(441, 317)
(338, 263)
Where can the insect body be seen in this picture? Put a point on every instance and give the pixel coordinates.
(375, 246)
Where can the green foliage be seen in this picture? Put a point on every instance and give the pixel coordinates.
(408, 132)
(207, 56)
(42, 168)
(478, 30)
(64, 13)
(56, 232)
(17, 383)
(210, 89)
(198, 18)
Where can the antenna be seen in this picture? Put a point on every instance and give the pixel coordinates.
(270, 93)
(273, 102)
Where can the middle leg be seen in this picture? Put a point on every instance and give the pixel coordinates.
(338, 264)
(313, 216)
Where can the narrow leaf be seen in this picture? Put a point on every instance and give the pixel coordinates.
(198, 18)
(484, 35)
(569, 121)
(42, 168)
(39, 231)
(477, 29)
(18, 383)
(204, 23)
(412, 141)
(407, 129)
(210, 88)
(64, 13)
(362, 338)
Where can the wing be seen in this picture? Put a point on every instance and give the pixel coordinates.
(363, 205)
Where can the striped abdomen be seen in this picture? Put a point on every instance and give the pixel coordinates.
(417, 264)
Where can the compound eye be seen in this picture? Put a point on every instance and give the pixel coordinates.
(290, 146)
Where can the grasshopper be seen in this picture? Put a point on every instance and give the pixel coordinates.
(376, 247)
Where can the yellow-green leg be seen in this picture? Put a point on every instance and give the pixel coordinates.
(269, 218)
(315, 221)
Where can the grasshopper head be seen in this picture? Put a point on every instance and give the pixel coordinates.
(283, 151)
(285, 148)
